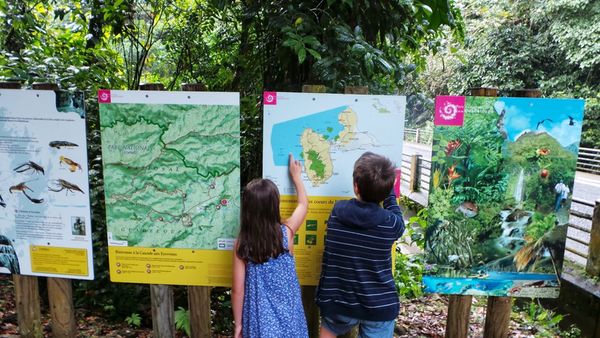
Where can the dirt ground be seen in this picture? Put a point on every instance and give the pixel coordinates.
(423, 317)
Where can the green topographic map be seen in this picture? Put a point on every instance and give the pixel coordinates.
(171, 174)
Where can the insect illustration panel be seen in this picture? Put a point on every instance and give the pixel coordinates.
(45, 225)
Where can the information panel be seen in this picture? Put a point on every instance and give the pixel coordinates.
(327, 133)
(501, 187)
(44, 197)
(172, 184)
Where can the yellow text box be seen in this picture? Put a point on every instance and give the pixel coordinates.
(309, 241)
(57, 260)
(170, 266)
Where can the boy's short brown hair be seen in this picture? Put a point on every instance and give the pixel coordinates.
(374, 176)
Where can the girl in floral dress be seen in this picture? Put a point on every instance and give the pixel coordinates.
(266, 294)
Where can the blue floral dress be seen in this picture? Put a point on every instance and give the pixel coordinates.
(272, 300)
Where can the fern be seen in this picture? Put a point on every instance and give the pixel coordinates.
(182, 320)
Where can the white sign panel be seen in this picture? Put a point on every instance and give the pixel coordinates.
(45, 225)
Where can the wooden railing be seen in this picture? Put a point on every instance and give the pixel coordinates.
(578, 233)
(589, 160)
(423, 136)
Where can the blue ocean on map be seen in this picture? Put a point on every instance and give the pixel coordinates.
(494, 283)
(285, 136)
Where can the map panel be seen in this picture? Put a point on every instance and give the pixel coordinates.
(172, 178)
(327, 133)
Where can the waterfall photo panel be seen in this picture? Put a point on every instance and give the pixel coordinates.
(501, 185)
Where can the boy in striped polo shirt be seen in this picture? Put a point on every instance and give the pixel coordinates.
(356, 285)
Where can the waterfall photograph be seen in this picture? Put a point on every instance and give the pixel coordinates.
(499, 197)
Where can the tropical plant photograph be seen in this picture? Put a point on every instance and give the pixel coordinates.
(499, 197)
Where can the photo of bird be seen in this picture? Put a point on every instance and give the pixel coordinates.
(541, 122)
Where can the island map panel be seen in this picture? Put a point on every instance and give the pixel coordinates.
(327, 133)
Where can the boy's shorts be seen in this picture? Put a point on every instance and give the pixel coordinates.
(339, 324)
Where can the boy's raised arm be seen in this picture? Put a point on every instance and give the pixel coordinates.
(297, 217)
(391, 204)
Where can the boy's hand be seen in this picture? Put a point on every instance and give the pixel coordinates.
(295, 168)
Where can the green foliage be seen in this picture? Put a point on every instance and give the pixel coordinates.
(415, 228)
(524, 153)
(449, 236)
(543, 322)
(516, 45)
(477, 159)
(510, 45)
(540, 225)
(220, 305)
(409, 204)
(591, 123)
(301, 45)
(408, 275)
(134, 320)
(440, 207)
(182, 320)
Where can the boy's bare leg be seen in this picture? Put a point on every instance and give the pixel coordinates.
(326, 333)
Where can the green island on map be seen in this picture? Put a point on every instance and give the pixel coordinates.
(316, 147)
(172, 173)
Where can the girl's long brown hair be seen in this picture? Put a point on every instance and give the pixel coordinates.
(260, 235)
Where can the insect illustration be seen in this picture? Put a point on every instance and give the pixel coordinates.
(64, 144)
(22, 187)
(72, 164)
(34, 167)
(60, 185)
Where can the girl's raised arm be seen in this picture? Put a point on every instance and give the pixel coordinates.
(237, 290)
(297, 217)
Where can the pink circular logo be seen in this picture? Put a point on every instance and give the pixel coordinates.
(270, 98)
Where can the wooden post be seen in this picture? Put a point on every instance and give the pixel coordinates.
(483, 91)
(417, 135)
(198, 296)
(27, 294)
(360, 90)
(311, 310)
(527, 93)
(459, 311)
(27, 297)
(10, 85)
(60, 290)
(593, 262)
(161, 296)
(60, 297)
(415, 175)
(497, 317)
(163, 311)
